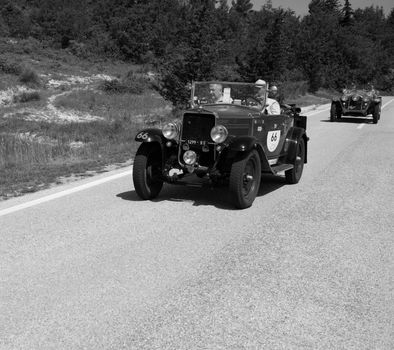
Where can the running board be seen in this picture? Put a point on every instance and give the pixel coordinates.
(281, 167)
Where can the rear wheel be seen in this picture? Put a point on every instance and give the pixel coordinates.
(245, 180)
(294, 175)
(147, 171)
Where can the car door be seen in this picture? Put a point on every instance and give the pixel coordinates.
(275, 128)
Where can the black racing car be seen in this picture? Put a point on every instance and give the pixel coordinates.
(229, 142)
(357, 103)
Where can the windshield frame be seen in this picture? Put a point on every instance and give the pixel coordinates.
(236, 94)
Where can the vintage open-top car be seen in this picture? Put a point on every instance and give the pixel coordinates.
(222, 140)
(357, 102)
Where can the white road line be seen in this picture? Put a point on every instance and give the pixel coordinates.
(63, 193)
(363, 124)
(387, 103)
(317, 112)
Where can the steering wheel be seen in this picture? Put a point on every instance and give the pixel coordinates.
(251, 101)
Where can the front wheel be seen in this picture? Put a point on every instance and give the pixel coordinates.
(333, 112)
(245, 180)
(294, 175)
(376, 114)
(147, 171)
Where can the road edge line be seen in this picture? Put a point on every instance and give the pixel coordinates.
(63, 193)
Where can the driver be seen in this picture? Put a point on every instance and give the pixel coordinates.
(215, 92)
(271, 105)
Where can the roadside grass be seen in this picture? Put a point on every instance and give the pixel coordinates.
(33, 154)
(297, 92)
(321, 97)
(112, 106)
(36, 151)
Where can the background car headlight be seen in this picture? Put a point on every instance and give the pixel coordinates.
(189, 157)
(170, 131)
(219, 133)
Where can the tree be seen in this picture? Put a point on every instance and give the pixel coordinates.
(14, 20)
(243, 7)
(347, 14)
(195, 58)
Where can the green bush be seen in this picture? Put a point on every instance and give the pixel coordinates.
(132, 83)
(30, 77)
(10, 67)
(27, 96)
(293, 89)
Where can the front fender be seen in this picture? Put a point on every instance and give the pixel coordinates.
(150, 135)
(242, 144)
(246, 144)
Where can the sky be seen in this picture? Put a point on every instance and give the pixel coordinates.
(301, 6)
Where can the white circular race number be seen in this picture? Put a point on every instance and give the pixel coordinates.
(273, 138)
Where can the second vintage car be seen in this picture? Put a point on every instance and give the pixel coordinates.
(357, 102)
(226, 138)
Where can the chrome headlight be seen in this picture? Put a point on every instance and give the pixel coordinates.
(219, 133)
(189, 157)
(170, 131)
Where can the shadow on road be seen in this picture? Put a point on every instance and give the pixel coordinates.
(217, 197)
(355, 120)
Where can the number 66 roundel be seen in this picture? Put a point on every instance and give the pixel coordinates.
(273, 138)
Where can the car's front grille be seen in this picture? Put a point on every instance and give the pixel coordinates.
(357, 105)
(197, 126)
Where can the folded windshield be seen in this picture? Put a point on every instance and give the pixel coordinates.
(219, 92)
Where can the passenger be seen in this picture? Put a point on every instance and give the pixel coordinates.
(271, 105)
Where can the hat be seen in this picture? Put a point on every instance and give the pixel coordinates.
(260, 82)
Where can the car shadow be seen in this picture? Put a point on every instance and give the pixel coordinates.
(217, 197)
(354, 120)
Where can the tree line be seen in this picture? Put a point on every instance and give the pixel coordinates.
(185, 40)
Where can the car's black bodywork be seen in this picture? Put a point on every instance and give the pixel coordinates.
(356, 103)
(229, 144)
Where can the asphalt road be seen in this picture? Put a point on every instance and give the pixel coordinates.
(309, 266)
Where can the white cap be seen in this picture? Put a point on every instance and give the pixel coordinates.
(260, 82)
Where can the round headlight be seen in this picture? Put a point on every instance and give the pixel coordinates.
(344, 98)
(219, 133)
(189, 157)
(170, 131)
